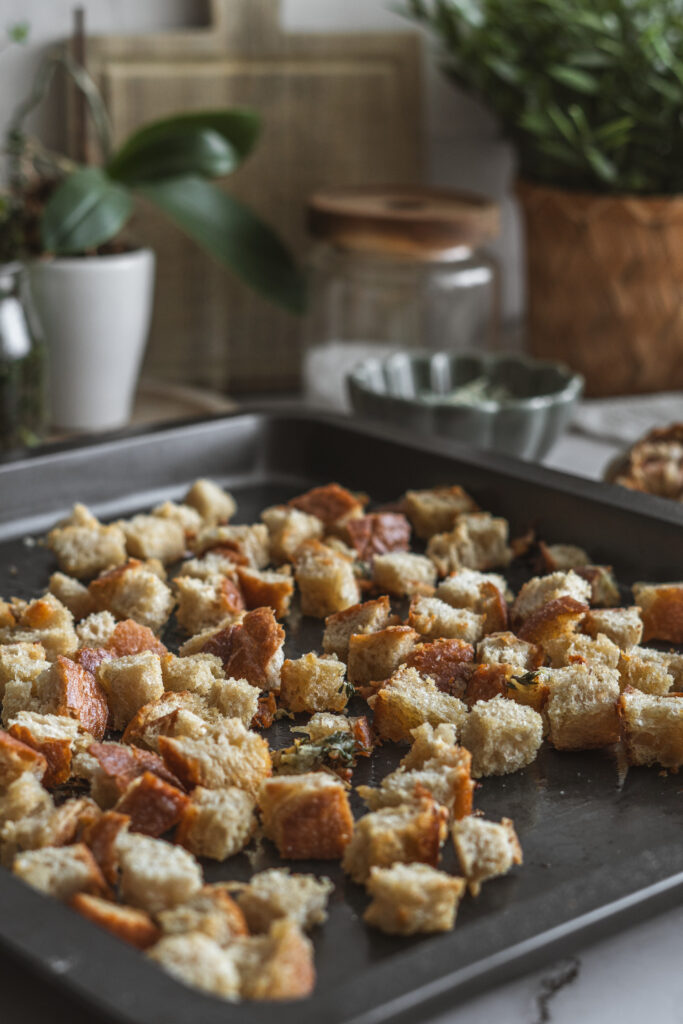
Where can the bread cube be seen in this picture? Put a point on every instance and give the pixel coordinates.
(212, 563)
(129, 684)
(322, 724)
(115, 765)
(288, 528)
(502, 736)
(22, 797)
(652, 728)
(485, 849)
(409, 699)
(541, 590)
(325, 579)
(53, 736)
(48, 622)
(378, 533)
(212, 912)
(174, 714)
(49, 826)
(85, 547)
(213, 503)
(604, 587)
(447, 661)
(623, 626)
(267, 588)
(333, 505)
(507, 649)
(368, 617)
(276, 966)
(581, 709)
(16, 758)
(21, 661)
(235, 698)
(376, 656)
(226, 755)
(128, 924)
(435, 511)
(60, 871)
(217, 823)
(102, 837)
(561, 557)
(198, 961)
(478, 540)
(661, 609)
(274, 894)
(450, 785)
(251, 649)
(405, 834)
(433, 743)
(129, 637)
(131, 591)
(402, 573)
(96, 630)
(73, 594)
(156, 875)
(206, 604)
(311, 683)
(434, 619)
(408, 899)
(153, 537)
(74, 692)
(187, 517)
(307, 816)
(153, 805)
(566, 650)
(645, 669)
(250, 545)
(468, 588)
(196, 672)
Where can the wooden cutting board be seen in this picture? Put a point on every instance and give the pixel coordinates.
(337, 109)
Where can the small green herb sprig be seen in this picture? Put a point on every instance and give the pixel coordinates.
(336, 751)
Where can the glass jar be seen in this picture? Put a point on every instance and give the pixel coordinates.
(22, 365)
(396, 268)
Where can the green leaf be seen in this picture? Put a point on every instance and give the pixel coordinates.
(575, 79)
(602, 165)
(18, 33)
(233, 235)
(210, 143)
(86, 210)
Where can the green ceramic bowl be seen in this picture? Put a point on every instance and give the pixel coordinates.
(509, 403)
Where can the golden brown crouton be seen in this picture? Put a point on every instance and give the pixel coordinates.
(273, 894)
(48, 622)
(405, 834)
(101, 836)
(435, 619)
(60, 871)
(378, 533)
(53, 736)
(450, 785)
(561, 557)
(153, 806)
(251, 649)
(207, 603)
(652, 727)
(226, 755)
(288, 528)
(623, 626)
(132, 591)
(566, 650)
(311, 683)
(369, 617)
(485, 849)
(129, 637)
(198, 961)
(447, 661)
(555, 620)
(306, 816)
(156, 875)
(213, 503)
(407, 700)
(186, 516)
(217, 823)
(24, 796)
(649, 670)
(212, 912)
(541, 590)
(16, 758)
(412, 898)
(117, 765)
(661, 606)
(502, 736)
(76, 693)
(276, 966)
(581, 709)
(333, 505)
(325, 579)
(267, 588)
(435, 510)
(376, 656)
(73, 594)
(132, 926)
(213, 563)
(129, 683)
(402, 573)
(507, 649)
(86, 547)
(477, 541)
(249, 545)
(154, 537)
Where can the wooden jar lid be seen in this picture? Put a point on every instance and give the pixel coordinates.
(425, 223)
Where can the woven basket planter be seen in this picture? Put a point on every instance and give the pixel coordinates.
(605, 286)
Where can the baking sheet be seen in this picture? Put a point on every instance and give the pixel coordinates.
(597, 854)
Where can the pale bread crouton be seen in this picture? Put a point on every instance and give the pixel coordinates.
(273, 894)
(60, 871)
(376, 656)
(127, 923)
(581, 709)
(408, 899)
(434, 619)
(24, 796)
(450, 785)
(502, 736)
(130, 683)
(562, 557)
(325, 579)
(435, 511)
(277, 966)
(312, 683)
(485, 849)
(235, 698)
(198, 961)
(407, 700)
(566, 650)
(507, 649)
(288, 529)
(212, 912)
(132, 591)
(406, 834)
(153, 537)
(187, 517)
(55, 737)
(214, 504)
(21, 661)
(48, 622)
(652, 728)
(323, 724)
(181, 713)
(307, 816)
(209, 603)
(478, 540)
(623, 626)
(85, 546)
(333, 505)
(49, 826)
(250, 544)
(648, 670)
(468, 588)
(27, 695)
(196, 673)
(156, 875)
(213, 563)
(267, 588)
(604, 587)
(433, 743)
(16, 758)
(217, 823)
(541, 590)
(368, 617)
(661, 609)
(226, 755)
(73, 594)
(402, 573)
(96, 630)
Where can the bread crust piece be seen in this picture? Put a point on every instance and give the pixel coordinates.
(127, 923)
(311, 683)
(409, 833)
(661, 611)
(16, 758)
(373, 657)
(226, 755)
(368, 617)
(581, 709)
(101, 837)
(402, 573)
(325, 579)
(485, 849)
(217, 823)
(379, 533)
(153, 806)
(446, 661)
(119, 765)
(132, 591)
(267, 589)
(206, 603)
(434, 619)
(502, 736)
(506, 649)
(558, 618)
(45, 621)
(252, 649)
(86, 547)
(652, 727)
(541, 590)
(332, 504)
(213, 503)
(130, 637)
(408, 899)
(275, 966)
(76, 693)
(274, 894)
(407, 700)
(477, 540)
(61, 871)
(53, 737)
(451, 786)
(129, 683)
(623, 626)
(288, 528)
(435, 511)
(306, 816)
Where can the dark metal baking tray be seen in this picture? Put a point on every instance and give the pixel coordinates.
(598, 855)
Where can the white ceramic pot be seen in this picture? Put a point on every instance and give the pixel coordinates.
(95, 312)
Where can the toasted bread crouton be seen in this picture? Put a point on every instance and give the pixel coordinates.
(541, 590)
(102, 836)
(207, 603)
(435, 619)
(402, 573)
(502, 736)
(251, 649)
(16, 758)
(117, 765)
(21, 662)
(196, 672)
(581, 709)
(433, 743)
(132, 591)
(486, 682)
(312, 683)
(174, 714)
(24, 796)
(267, 588)
(198, 961)
(307, 816)
(129, 683)
(436, 510)
(247, 545)
(325, 579)
(156, 875)
(562, 557)
(333, 505)
(566, 650)
(129, 637)
(661, 606)
(96, 630)
(153, 537)
(558, 619)
(408, 899)
(73, 594)
(603, 583)
(376, 656)
(27, 695)
(187, 517)
(623, 626)
(127, 923)
(213, 563)
(507, 649)
(153, 806)
(74, 692)
(410, 833)
(217, 823)
(53, 736)
(368, 617)
(485, 849)
(450, 785)
(48, 622)
(85, 547)
(447, 661)
(214, 504)
(469, 588)
(648, 670)
(60, 871)
(48, 827)
(276, 966)
(323, 724)
(235, 698)
(478, 540)
(212, 912)
(288, 528)
(652, 727)
(226, 755)
(276, 893)
(378, 533)
(407, 700)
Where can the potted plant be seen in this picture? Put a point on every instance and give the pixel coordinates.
(92, 284)
(591, 94)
